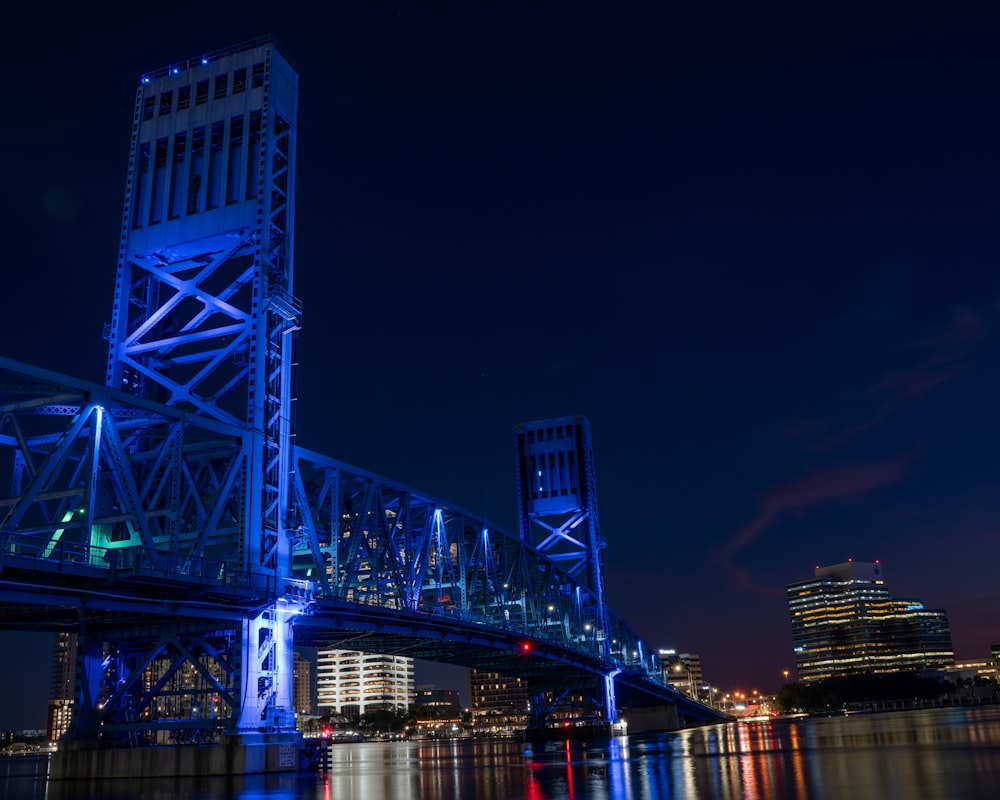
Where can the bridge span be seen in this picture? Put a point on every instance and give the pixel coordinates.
(170, 518)
(121, 509)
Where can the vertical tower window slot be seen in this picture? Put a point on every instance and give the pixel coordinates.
(184, 97)
(177, 176)
(197, 170)
(215, 165)
(201, 93)
(221, 85)
(240, 80)
(159, 180)
(166, 103)
(235, 160)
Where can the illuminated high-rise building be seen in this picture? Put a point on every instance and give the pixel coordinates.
(353, 683)
(497, 701)
(302, 690)
(682, 671)
(845, 622)
(62, 686)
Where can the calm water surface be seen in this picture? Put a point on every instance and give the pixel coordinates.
(944, 754)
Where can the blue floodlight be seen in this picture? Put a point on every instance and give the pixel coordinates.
(145, 79)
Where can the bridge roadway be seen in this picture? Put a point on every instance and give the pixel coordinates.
(118, 515)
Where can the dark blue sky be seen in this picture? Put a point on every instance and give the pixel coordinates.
(759, 253)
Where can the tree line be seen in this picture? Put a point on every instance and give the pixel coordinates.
(842, 690)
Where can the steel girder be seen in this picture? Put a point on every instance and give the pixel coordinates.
(95, 471)
(113, 495)
(362, 539)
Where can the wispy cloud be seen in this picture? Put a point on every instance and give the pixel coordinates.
(942, 358)
(818, 487)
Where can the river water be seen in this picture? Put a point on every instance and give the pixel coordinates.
(941, 754)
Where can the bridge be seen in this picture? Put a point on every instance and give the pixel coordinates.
(170, 519)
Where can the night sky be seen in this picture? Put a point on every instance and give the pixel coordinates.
(759, 253)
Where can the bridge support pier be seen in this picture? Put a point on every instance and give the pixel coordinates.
(238, 754)
(652, 719)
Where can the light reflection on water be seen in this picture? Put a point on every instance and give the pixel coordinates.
(944, 754)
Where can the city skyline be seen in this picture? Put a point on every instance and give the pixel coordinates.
(753, 251)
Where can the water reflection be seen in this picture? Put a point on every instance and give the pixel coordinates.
(945, 754)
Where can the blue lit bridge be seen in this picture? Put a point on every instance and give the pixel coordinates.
(169, 519)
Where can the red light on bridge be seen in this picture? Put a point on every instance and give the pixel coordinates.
(525, 647)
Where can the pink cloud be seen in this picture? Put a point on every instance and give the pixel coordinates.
(740, 578)
(816, 488)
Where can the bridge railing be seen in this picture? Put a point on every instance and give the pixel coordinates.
(116, 564)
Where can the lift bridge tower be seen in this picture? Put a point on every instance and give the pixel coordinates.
(557, 514)
(203, 321)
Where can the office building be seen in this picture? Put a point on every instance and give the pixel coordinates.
(845, 622)
(438, 699)
(63, 684)
(354, 683)
(498, 703)
(302, 690)
(683, 672)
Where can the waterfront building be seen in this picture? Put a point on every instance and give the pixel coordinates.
(302, 690)
(845, 622)
(62, 686)
(498, 703)
(682, 671)
(354, 683)
(443, 699)
(974, 671)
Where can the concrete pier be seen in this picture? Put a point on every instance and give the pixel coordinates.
(652, 719)
(243, 754)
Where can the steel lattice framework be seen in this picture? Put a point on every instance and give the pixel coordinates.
(168, 518)
(124, 520)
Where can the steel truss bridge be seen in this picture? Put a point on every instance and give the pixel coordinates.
(170, 520)
(376, 566)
